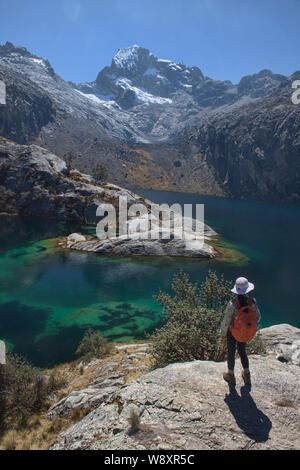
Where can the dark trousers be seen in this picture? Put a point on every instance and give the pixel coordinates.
(231, 348)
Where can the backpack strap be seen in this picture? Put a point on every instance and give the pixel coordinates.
(249, 302)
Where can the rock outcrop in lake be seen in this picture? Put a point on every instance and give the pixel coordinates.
(188, 406)
(34, 182)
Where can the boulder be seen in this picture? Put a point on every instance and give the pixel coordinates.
(283, 341)
(76, 237)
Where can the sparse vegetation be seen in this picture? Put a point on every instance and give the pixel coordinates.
(100, 172)
(7, 201)
(256, 345)
(93, 346)
(5, 168)
(69, 158)
(24, 391)
(134, 422)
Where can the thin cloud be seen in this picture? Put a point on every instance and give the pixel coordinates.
(72, 10)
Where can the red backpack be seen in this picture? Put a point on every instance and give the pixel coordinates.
(245, 323)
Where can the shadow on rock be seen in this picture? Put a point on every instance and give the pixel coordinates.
(252, 421)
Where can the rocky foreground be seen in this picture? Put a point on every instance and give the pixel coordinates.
(188, 406)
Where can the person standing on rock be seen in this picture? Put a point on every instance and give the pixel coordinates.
(239, 327)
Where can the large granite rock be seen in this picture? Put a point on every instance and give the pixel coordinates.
(284, 341)
(188, 406)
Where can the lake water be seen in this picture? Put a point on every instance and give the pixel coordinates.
(48, 298)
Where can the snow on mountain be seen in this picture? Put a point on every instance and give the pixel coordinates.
(103, 101)
(139, 96)
(128, 59)
(147, 74)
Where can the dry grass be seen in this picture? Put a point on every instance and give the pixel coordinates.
(39, 433)
(78, 376)
(9, 441)
(285, 403)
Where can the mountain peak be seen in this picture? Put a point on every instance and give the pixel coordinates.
(10, 48)
(21, 57)
(136, 75)
(132, 59)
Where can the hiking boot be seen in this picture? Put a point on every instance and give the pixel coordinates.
(229, 378)
(246, 377)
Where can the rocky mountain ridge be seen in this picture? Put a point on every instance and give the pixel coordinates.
(161, 125)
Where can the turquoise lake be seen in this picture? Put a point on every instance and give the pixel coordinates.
(49, 297)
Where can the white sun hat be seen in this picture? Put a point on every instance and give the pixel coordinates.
(242, 286)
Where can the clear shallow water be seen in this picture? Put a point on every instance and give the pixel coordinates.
(48, 298)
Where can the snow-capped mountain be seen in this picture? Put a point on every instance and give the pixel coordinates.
(156, 123)
(136, 76)
(139, 97)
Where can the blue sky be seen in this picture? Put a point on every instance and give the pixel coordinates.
(226, 39)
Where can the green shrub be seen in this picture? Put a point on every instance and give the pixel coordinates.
(24, 390)
(93, 345)
(193, 318)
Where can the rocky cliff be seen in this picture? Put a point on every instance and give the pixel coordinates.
(255, 148)
(35, 182)
(188, 406)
